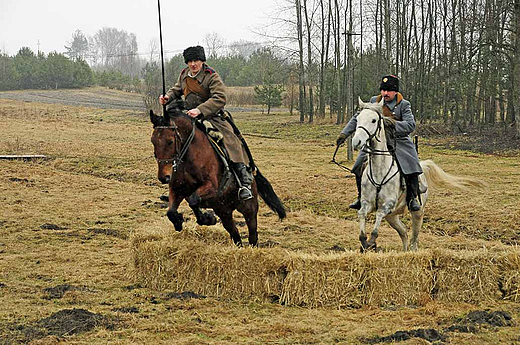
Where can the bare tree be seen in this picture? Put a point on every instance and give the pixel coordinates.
(214, 45)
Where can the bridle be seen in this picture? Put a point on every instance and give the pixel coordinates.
(176, 160)
(367, 148)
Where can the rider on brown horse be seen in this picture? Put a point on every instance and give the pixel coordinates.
(204, 96)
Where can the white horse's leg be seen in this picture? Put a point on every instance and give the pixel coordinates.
(395, 222)
(362, 215)
(417, 221)
(380, 214)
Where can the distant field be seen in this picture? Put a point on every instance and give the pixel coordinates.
(68, 222)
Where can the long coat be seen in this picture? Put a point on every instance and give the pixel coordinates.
(206, 92)
(407, 158)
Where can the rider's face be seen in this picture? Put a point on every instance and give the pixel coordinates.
(195, 66)
(388, 95)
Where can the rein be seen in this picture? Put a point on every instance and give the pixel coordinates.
(337, 163)
(176, 160)
(367, 148)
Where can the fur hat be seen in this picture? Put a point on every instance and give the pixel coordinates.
(194, 54)
(389, 83)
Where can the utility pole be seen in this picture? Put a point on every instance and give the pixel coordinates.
(350, 87)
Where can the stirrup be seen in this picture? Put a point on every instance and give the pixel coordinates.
(356, 205)
(244, 193)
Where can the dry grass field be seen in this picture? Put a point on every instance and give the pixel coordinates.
(75, 229)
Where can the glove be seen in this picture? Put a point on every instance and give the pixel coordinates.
(341, 139)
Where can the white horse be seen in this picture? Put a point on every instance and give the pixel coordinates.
(382, 188)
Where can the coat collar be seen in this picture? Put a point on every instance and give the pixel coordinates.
(391, 105)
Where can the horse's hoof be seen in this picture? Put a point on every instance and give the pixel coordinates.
(207, 218)
(176, 219)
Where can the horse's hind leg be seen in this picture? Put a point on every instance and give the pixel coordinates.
(250, 211)
(395, 222)
(417, 221)
(229, 224)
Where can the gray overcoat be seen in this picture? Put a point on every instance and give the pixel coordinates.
(405, 152)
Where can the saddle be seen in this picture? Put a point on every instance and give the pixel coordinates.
(215, 139)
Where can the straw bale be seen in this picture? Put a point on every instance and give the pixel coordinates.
(352, 279)
(398, 278)
(465, 276)
(216, 270)
(189, 261)
(334, 279)
(509, 267)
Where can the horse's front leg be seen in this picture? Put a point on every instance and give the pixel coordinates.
(173, 205)
(380, 214)
(362, 215)
(196, 199)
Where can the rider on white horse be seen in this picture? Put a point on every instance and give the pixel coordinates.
(397, 108)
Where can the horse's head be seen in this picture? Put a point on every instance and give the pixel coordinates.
(369, 123)
(163, 140)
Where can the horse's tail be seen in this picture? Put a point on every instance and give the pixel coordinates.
(437, 177)
(267, 193)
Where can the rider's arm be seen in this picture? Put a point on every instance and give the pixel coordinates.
(217, 99)
(351, 126)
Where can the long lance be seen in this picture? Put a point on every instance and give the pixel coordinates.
(165, 114)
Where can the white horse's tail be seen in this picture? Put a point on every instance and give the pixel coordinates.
(437, 177)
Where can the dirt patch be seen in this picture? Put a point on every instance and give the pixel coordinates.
(49, 226)
(58, 291)
(469, 324)
(183, 295)
(64, 323)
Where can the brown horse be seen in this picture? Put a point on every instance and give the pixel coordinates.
(195, 173)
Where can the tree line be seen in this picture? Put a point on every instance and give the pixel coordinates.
(458, 60)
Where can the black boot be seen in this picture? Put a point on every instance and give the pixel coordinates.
(412, 190)
(246, 179)
(356, 205)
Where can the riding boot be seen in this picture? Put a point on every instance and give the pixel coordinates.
(245, 181)
(412, 188)
(356, 205)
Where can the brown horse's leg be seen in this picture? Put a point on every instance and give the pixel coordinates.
(250, 210)
(194, 200)
(229, 224)
(174, 216)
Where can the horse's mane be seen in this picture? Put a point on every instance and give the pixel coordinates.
(171, 113)
(389, 125)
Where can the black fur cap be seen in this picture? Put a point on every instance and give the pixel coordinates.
(389, 83)
(194, 54)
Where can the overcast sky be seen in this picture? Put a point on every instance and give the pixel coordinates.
(51, 23)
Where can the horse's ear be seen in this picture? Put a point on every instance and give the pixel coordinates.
(360, 102)
(154, 118)
(381, 102)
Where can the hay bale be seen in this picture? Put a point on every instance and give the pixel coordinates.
(221, 271)
(509, 268)
(352, 279)
(207, 263)
(398, 278)
(465, 276)
(335, 279)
